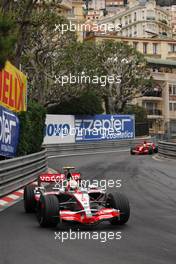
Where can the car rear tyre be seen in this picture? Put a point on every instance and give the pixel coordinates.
(120, 202)
(132, 151)
(156, 149)
(48, 211)
(29, 199)
(150, 151)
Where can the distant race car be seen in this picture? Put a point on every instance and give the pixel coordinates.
(145, 148)
(65, 199)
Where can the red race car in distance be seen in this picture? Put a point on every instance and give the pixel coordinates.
(148, 148)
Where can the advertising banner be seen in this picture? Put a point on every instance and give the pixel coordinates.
(9, 132)
(104, 127)
(13, 88)
(59, 129)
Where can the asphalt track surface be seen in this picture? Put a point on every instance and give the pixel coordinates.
(148, 238)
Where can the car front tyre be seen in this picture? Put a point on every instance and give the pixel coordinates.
(120, 202)
(48, 211)
(156, 149)
(150, 151)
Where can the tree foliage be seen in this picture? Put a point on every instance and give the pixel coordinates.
(106, 59)
(32, 125)
(87, 104)
(7, 36)
(139, 112)
(42, 52)
(124, 62)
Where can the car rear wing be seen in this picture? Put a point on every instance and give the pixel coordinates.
(48, 177)
(56, 177)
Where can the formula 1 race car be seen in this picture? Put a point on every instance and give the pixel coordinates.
(145, 148)
(73, 202)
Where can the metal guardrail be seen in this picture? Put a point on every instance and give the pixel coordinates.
(167, 149)
(16, 173)
(90, 147)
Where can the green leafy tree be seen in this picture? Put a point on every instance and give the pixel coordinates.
(42, 53)
(7, 36)
(87, 104)
(105, 60)
(32, 125)
(79, 60)
(21, 10)
(139, 112)
(129, 68)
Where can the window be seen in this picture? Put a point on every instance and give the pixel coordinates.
(170, 106)
(172, 89)
(73, 10)
(150, 15)
(135, 45)
(155, 48)
(135, 16)
(150, 124)
(172, 48)
(145, 48)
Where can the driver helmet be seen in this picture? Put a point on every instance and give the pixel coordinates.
(145, 143)
(73, 185)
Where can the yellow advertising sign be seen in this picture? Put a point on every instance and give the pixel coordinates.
(13, 88)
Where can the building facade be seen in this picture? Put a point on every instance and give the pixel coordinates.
(97, 5)
(172, 10)
(142, 19)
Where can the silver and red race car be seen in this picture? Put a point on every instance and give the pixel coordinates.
(61, 197)
(145, 148)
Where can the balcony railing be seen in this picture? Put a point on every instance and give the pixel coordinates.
(154, 112)
(153, 93)
(150, 18)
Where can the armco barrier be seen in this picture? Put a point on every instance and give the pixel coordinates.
(16, 173)
(90, 147)
(167, 149)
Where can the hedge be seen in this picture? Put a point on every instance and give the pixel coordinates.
(32, 125)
